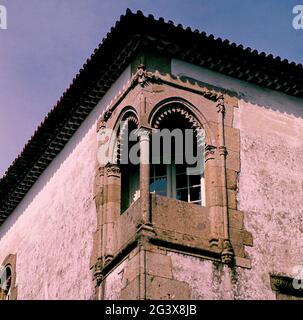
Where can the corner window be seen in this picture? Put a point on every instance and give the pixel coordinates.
(173, 173)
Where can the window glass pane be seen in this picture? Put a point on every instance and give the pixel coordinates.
(195, 193)
(194, 180)
(160, 170)
(181, 180)
(182, 194)
(158, 184)
(180, 168)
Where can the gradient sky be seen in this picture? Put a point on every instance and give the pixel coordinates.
(47, 42)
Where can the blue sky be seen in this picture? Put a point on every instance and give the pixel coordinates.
(47, 42)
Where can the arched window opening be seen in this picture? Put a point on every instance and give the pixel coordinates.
(177, 167)
(128, 160)
(5, 283)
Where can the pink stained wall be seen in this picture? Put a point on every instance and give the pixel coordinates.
(270, 191)
(51, 230)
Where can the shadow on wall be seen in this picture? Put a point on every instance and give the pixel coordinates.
(254, 94)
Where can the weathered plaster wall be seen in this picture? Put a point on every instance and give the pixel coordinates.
(271, 192)
(51, 230)
(207, 279)
(270, 189)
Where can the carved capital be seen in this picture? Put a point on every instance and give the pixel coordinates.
(112, 170)
(144, 132)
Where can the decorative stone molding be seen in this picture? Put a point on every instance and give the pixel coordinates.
(144, 132)
(112, 170)
(130, 118)
(227, 254)
(142, 76)
(170, 110)
(220, 105)
(214, 230)
(101, 124)
(107, 115)
(98, 271)
(210, 152)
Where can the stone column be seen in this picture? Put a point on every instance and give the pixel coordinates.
(144, 136)
(111, 210)
(211, 193)
(227, 254)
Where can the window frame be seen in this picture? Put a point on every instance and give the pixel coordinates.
(171, 184)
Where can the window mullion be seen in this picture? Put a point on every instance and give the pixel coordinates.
(188, 187)
(173, 181)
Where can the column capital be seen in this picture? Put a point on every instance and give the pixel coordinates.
(112, 169)
(144, 131)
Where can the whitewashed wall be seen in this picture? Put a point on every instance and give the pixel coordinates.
(270, 189)
(51, 229)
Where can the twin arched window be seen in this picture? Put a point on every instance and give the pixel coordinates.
(176, 157)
